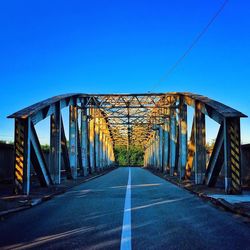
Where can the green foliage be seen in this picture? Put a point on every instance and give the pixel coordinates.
(45, 148)
(135, 155)
(6, 142)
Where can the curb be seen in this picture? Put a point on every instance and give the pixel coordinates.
(48, 197)
(217, 202)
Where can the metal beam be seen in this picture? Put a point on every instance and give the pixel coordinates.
(73, 142)
(191, 153)
(84, 141)
(22, 156)
(216, 160)
(182, 123)
(166, 131)
(55, 145)
(173, 141)
(38, 160)
(92, 141)
(200, 144)
(65, 152)
(232, 155)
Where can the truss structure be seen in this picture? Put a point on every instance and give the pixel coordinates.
(156, 122)
(132, 117)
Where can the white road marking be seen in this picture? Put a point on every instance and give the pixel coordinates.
(126, 227)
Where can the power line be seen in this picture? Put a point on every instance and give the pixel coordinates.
(192, 45)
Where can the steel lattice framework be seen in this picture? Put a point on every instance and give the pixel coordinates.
(131, 117)
(157, 122)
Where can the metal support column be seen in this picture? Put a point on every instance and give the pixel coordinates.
(173, 141)
(97, 142)
(55, 145)
(84, 140)
(200, 144)
(101, 143)
(22, 156)
(232, 155)
(106, 150)
(73, 133)
(182, 122)
(166, 145)
(160, 148)
(92, 140)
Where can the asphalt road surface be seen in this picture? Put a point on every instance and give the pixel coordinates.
(129, 208)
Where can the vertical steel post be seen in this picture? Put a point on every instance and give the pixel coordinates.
(160, 148)
(157, 148)
(232, 155)
(73, 133)
(92, 140)
(151, 153)
(200, 144)
(166, 145)
(182, 122)
(84, 140)
(97, 141)
(154, 151)
(173, 141)
(22, 156)
(108, 152)
(101, 143)
(55, 145)
(106, 149)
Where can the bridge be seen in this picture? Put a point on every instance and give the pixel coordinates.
(157, 122)
(127, 207)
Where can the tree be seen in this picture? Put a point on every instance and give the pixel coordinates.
(135, 155)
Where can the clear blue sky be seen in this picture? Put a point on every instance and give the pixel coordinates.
(53, 47)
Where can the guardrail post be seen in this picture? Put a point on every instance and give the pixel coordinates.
(200, 144)
(73, 133)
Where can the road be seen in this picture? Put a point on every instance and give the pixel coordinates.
(129, 208)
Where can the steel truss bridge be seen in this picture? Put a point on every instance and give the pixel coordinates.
(157, 122)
